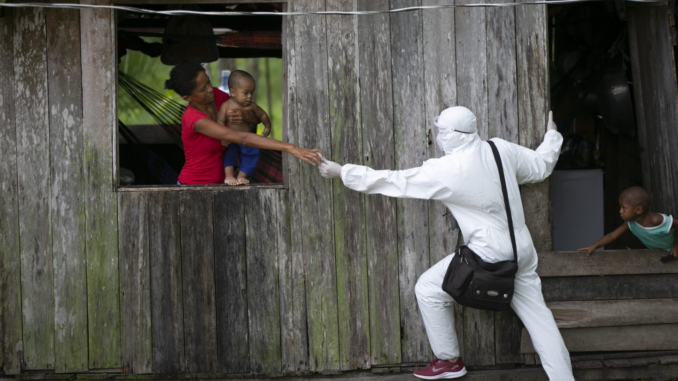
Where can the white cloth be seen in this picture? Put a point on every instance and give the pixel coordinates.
(466, 181)
(456, 118)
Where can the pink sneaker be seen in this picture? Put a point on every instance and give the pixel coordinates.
(441, 369)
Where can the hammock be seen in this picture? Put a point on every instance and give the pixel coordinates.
(167, 113)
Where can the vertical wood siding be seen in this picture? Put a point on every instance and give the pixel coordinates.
(315, 212)
(11, 343)
(310, 278)
(67, 199)
(99, 127)
(33, 165)
(167, 302)
(376, 110)
(230, 254)
(349, 213)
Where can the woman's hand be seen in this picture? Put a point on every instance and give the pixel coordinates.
(233, 117)
(308, 155)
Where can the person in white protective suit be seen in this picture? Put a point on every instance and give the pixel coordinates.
(466, 180)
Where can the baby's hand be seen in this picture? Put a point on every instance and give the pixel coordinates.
(674, 251)
(225, 143)
(267, 131)
(588, 249)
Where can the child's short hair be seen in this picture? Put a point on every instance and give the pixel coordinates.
(237, 76)
(637, 196)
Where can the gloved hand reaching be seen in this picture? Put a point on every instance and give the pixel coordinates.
(329, 169)
(552, 125)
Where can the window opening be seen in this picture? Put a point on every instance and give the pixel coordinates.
(592, 99)
(149, 116)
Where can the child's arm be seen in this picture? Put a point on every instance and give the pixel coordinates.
(263, 117)
(609, 238)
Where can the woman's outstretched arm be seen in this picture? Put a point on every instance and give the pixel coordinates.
(215, 130)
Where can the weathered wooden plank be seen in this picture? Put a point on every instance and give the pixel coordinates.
(10, 256)
(167, 306)
(533, 105)
(294, 339)
(604, 313)
(32, 126)
(603, 262)
(471, 55)
(99, 127)
(502, 101)
(610, 287)
(197, 257)
(67, 201)
(349, 214)
(135, 283)
(627, 338)
(440, 92)
(411, 149)
(478, 337)
(502, 96)
(316, 208)
(263, 298)
(654, 76)
(230, 252)
(507, 331)
(374, 55)
(471, 61)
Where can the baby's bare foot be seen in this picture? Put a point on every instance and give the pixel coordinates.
(243, 180)
(231, 181)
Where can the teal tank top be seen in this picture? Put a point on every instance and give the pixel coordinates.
(658, 237)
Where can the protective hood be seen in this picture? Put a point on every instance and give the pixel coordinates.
(456, 127)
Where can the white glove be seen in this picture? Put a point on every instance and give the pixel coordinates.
(552, 125)
(330, 169)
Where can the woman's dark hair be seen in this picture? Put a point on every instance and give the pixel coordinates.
(182, 77)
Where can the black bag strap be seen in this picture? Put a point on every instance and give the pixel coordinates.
(497, 158)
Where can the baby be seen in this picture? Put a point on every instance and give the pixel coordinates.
(656, 231)
(241, 85)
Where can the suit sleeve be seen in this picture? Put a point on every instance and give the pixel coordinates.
(535, 166)
(418, 183)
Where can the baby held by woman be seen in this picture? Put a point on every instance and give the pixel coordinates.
(241, 86)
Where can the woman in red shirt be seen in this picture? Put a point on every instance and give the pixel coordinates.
(202, 135)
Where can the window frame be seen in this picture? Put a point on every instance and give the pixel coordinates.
(206, 187)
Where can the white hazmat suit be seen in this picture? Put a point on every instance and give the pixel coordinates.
(467, 181)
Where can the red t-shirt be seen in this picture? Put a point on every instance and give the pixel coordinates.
(204, 155)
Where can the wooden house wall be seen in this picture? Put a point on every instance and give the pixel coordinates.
(307, 278)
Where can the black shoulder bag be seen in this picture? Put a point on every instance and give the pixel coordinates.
(475, 283)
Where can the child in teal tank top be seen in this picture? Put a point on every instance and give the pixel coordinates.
(655, 230)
